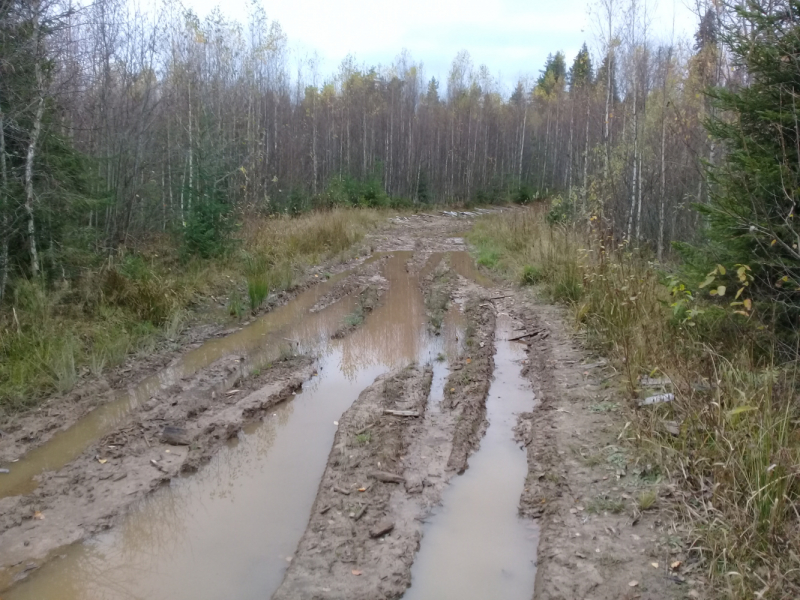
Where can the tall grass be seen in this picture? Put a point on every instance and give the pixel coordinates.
(137, 297)
(737, 455)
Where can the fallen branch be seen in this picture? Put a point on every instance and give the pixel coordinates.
(401, 413)
(387, 477)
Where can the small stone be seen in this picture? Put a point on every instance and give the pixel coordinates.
(381, 528)
(175, 436)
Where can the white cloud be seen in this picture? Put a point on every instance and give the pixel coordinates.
(512, 37)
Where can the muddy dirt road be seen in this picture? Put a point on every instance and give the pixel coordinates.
(380, 435)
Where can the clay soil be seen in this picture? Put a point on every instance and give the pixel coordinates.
(393, 454)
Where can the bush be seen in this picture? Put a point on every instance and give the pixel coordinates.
(524, 194)
(208, 229)
(561, 211)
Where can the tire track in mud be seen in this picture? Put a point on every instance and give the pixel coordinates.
(131, 460)
(386, 473)
(430, 448)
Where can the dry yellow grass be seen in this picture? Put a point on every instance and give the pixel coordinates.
(736, 457)
(141, 296)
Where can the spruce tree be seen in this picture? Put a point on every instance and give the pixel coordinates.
(752, 214)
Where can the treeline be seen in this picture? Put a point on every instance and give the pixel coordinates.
(117, 123)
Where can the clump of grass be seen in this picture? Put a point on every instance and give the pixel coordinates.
(235, 304)
(355, 318)
(362, 439)
(647, 499)
(257, 291)
(531, 275)
(604, 504)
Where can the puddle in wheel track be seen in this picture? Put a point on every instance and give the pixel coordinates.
(259, 340)
(475, 546)
(229, 530)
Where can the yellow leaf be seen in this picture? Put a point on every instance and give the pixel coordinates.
(741, 409)
(773, 242)
(748, 304)
(721, 290)
(708, 280)
(739, 293)
(102, 461)
(676, 565)
(721, 270)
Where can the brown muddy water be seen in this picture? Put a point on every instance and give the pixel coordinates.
(229, 530)
(260, 341)
(475, 546)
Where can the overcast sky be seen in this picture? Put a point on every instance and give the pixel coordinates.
(511, 37)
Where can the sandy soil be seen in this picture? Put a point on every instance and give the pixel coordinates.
(584, 484)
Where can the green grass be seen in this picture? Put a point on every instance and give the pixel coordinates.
(355, 318)
(142, 297)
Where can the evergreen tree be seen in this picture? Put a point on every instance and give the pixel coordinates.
(752, 215)
(581, 73)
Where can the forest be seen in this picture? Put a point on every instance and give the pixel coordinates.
(158, 168)
(119, 123)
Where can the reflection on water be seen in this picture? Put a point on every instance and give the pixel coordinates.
(476, 546)
(463, 264)
(263, 337)
(226, 532)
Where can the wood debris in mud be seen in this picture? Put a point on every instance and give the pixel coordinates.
(361, 532)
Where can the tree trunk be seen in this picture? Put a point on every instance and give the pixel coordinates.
(30, 198)
(4, 229)
(662, 196)
(586, 156)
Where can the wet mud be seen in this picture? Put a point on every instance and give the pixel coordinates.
(352, 444)
(49, 437)
(475, 545)
(583, 486)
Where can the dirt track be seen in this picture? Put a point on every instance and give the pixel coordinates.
(386, 470)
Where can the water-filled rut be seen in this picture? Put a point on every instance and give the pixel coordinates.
(239, 527)
(231, 529)
(262, 339)
(476, 546)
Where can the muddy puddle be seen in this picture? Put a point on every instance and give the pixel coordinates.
(261, 341)
(475, 546)
(229, 530)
